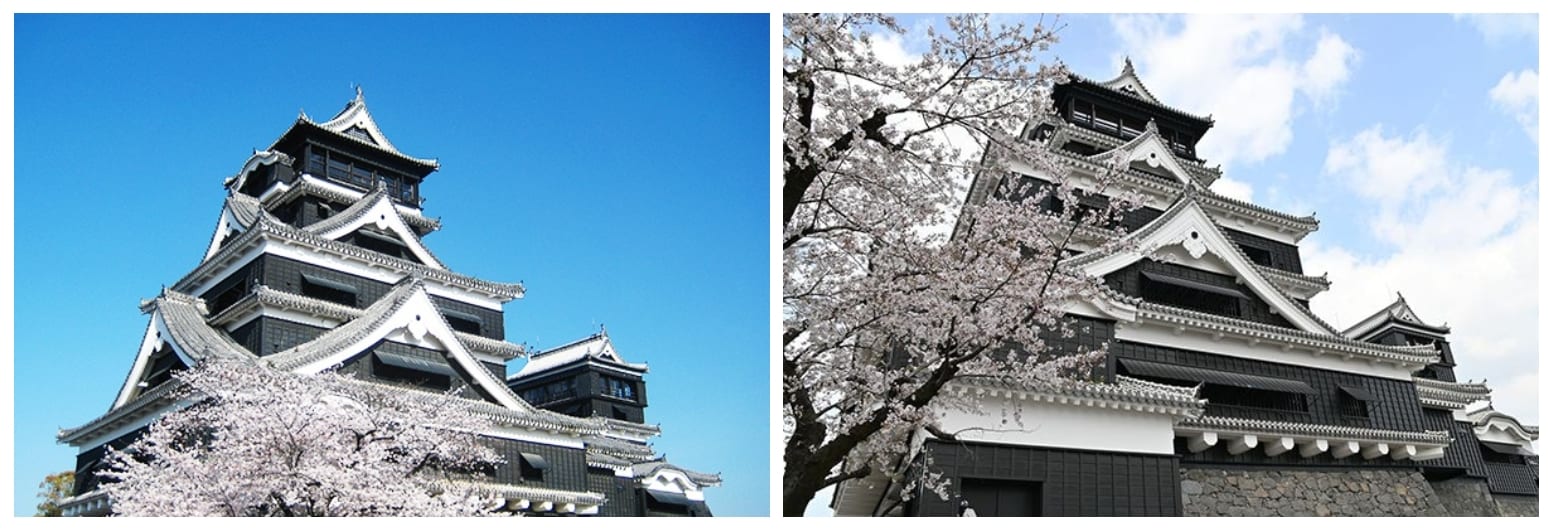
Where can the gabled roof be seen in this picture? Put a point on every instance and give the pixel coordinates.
(597, 347)
(258, 159)
(405, 312)
(177, 320)
(1150, 149)
(1128, 83)
(313, 186)
(378, 210)
(356, 125)
(644, 471)
(1485, 419)
(1398, 311)
(1187, 224)
(268, 227)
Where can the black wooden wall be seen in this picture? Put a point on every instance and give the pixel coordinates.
(1073, 483)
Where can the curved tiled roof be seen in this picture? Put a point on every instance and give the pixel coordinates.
(312, 186)
(649, 467)
(265, 296)
(184, 317)
(1284, 428)
(268, 226)
(596, 347)
(363, 206)
(1179, 401)
(346, 335)
(1141, 93)
(355, 114)
(512, 491)
(1333, 343)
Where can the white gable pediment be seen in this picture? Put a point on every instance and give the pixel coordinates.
(1148, 149)
(156, 336)
(403, 316)
(377, 211)
(1188, 234)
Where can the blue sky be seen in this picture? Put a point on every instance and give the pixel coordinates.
(1412, 137)
(618, 166)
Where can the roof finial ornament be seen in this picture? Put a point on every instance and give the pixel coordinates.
(1151, 126)
(1128, 66)
(359, 92)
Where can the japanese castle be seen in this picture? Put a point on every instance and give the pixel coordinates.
(1222, 393)
(318, 263)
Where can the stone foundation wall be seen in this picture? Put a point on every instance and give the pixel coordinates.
(1516, 505)
(1465, 497)
(1265, 493)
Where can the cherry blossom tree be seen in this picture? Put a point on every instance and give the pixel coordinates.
(893, 289)
(257, 442)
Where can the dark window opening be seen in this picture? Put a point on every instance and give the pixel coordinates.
(551, 392)
(163, 363)
(325, 289)
(337, 167)
(257, 180)
(620, 414)
(392, 368)
(1354, 402)
(228, 297)
(618, 388)
(1257, 255)
(384, 244)
(1003, 498)
(463, 322)
(1253, 398)
(532, 466)
(1186, 294)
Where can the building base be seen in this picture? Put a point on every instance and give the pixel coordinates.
(1210, 492)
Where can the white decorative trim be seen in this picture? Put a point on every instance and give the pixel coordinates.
(266, 158)
(381, 213)
(1187, 224)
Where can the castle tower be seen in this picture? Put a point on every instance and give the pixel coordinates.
(317, 264)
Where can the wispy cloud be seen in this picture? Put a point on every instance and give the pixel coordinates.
(1516, 94)
(1246, 70)
(1464, 242)
(1502, 28)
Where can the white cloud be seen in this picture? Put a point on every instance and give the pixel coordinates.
(1245, 69)
(1465, 254)
(1234, 189)
(1500, 28)
(1516, 93)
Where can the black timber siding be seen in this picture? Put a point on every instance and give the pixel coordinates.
(1396, 406)
(1512, 479)
(590, 398)
(1281, 256)
(233, 287)
(1074, 483)
(1463, 453)
(363, 367)
(566, 466)
(284, 274)
(270, 335)
(88, 463)
(622, 499)
(1253, 308)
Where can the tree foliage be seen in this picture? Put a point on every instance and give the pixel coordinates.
(885, 304)
(257, 442)
(55, 488)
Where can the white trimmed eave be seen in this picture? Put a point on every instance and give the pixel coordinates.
(258, 158)
(1160, 193)
(272, 303)
(307, 184)
(1308, 440)
(1197, 233)
(1065, 132)
(276, 238)
(541, 500)
(416, 322)
(1094, 395)
(1262, 340)
(1148, 148)
(156, 334)
(1502, 428)
(381, 213)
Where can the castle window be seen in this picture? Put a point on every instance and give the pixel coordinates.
(1003, 498)
(383, 243)
(325, 289)
(1354, 401)
(411, 369)
(618, 388)
(463, 322)
(1189, 294)
(1225, 390)
(1258, 255)
(532, 466)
